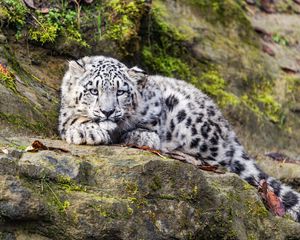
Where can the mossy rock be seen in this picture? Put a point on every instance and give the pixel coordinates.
(122, 193)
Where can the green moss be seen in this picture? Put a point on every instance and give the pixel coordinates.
(69, 185)
(122, 19)
(263, 104)
(16, 12)
(48, 27)
(229, 13)
(21, 122)
(159, 61)
(44, 27)
(156, 184)
(214, 85)
(256, 209)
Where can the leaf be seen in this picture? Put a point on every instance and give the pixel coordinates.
(38, 146)
(280, 157)
(44, 10)
(30, 3)
(181, 157)
(146, 148)
(272, 201)
(211, 168)
(5, 151)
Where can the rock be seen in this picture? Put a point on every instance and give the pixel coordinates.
(111, 192)
(2, 39)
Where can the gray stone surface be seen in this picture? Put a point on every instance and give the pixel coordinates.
(111, 192)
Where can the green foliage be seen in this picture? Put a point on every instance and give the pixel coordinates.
(122, 19)
(279, 39)
(49, 26)
(16, 11)
(263, 104)
(43, 32)
(214, 85)
(160, 62)
(44, 27)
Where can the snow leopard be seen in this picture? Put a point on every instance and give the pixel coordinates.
(105, 102)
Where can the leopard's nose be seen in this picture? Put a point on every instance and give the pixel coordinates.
(107, 113)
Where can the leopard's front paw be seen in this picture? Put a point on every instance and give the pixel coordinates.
(87, 134)
(142, 138)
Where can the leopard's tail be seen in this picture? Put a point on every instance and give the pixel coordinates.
(240, 163)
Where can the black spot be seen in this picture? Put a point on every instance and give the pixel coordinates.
(188, 122)
(213, 149)
(183, 136)
(245, 156)
(214, 154)
(219, 131)
(154, 123)
(81, 135)
(85, 121)
(92, 137)
(251, 180)
(211, 112)
(205, 129)
(223, 163)
(194, 142)
(171, 102)
(194, 130)
(156, 104)
(145, 111)
(237, 141)
(63, 132)
(237, 167)
(298, 216)
(65, 114)
(172, 125)
(289, 199)
(262, 176)
(214, 140)
(181, 115)
(73, 121)
(199, 118)
(276, 185)
(169, 136)
(230, 153)
(203, 147)
(80, 96)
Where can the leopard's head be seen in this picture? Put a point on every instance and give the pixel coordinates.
(107, 91)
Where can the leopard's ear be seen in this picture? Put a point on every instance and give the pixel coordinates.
(77, 67)
(139, 76)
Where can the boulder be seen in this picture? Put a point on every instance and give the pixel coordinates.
(115, 192)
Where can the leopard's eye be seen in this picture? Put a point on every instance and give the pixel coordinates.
(94, 91)
(120, 92)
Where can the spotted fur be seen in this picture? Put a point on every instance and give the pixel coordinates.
(103, 101)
